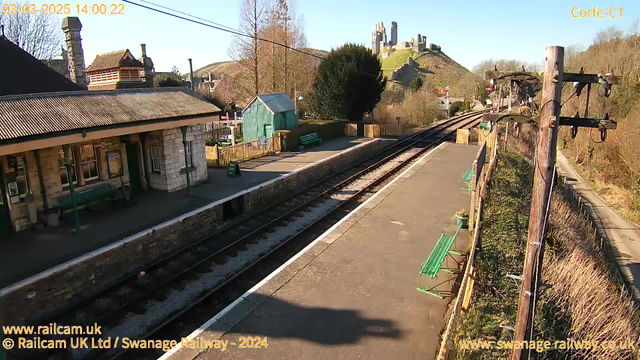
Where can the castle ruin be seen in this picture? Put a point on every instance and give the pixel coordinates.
(380, 44)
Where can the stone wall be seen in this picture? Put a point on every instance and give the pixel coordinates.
(60, 287)
(171, 176)
(174, 157)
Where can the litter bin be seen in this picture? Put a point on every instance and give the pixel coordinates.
(51, 217)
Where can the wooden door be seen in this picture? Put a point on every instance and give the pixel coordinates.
(133, 164)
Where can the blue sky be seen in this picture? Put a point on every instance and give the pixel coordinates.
(463, 28)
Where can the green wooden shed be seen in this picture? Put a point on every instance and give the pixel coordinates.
(268, 113)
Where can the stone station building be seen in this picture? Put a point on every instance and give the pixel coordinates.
(124, 138)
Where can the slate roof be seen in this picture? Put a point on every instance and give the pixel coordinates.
(21, 73)
(276, 102)
(113, 60)
(48, 113)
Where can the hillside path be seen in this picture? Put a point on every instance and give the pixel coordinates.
(623, 235)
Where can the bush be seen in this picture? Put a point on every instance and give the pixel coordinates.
(348, 83)
(164, 80)
(459, 106)
(416, 84)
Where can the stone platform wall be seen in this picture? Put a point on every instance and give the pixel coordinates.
(35, 298)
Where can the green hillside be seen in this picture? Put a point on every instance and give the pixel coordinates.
(436, 69)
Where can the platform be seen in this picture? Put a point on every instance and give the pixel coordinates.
(30, 252)
(352, 292)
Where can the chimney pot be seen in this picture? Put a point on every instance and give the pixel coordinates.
(144, 50)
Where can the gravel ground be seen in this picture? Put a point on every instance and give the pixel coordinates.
(136, 324)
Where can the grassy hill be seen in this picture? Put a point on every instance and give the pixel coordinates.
(436, 69)
(231, 68)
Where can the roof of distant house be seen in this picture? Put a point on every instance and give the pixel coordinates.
(114, 59)
(63, 112)
(22, 73)
(276, 102)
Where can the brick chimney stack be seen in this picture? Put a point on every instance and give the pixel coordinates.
(71, 27)
(148, 73)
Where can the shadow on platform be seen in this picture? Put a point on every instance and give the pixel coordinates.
(283, 319)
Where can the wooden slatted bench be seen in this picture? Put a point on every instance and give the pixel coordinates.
(86, 196)
(310, 139)
(466, 179)
(433, 265)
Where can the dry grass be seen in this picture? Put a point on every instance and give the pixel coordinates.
(624, 200)
(583, 300)
(415, 110)
(584, 293)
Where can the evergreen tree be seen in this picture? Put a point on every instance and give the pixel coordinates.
(348, 84)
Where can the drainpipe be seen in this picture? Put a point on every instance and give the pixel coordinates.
(147, 176)
(186, 158)
(43, 189)
(67, 163)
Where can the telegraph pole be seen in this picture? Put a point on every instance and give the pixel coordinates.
(543, 180)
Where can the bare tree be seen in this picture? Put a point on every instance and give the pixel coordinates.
(503, 65)
(571, 53)
(289, 71)
(246, 49)
(608, 34)
(38, 34)
(634, 29)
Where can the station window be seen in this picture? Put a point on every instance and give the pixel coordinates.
(89, 162)
(62, 169)
(156, 158)
(189, 156)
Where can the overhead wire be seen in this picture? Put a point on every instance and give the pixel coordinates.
(228, 29)
(216, 26)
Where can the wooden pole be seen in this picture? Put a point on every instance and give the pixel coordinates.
(546, 160)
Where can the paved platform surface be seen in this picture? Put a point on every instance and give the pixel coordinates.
(352, 294)
(623, 235)
(29, 252)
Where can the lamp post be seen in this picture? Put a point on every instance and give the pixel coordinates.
(186, 157)
(70, 174)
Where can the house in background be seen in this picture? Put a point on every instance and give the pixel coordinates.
(120, 70)
(55, 136)
(266, 114)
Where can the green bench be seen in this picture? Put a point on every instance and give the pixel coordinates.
(85, 196)
(310, 139)
(436, 259)
(466, 179)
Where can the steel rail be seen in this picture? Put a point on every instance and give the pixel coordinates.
(356, 195)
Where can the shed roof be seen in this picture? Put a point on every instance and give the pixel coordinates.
(114, 59)
(276, 102)
(22, 73)
(39, 114)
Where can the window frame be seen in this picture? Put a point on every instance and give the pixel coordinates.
(189, 156)
(156, 161)
(74, 173)
(95, 160)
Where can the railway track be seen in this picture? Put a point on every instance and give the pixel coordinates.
(170, 298)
